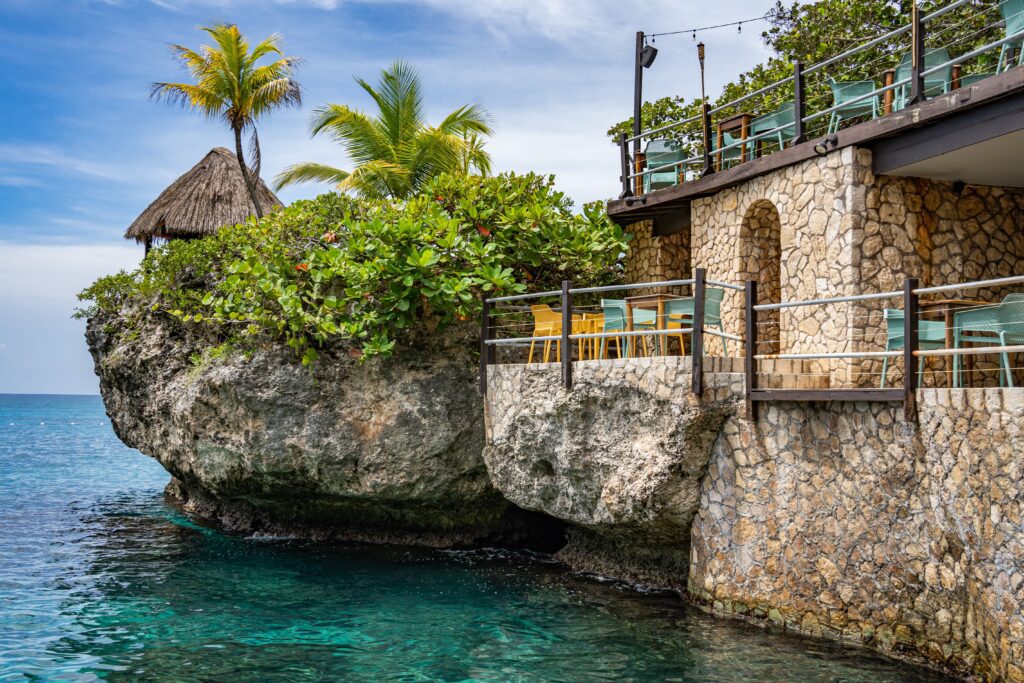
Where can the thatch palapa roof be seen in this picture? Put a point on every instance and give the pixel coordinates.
(208, 197)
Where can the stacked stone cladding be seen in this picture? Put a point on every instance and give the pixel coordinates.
(828, 227)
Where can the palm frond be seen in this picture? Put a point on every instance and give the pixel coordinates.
(207, 102)
(378, 179)
(356, 132)
(469, 118)
(309, 172)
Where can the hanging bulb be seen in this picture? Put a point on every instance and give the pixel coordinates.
(739, 28)
(695, 35)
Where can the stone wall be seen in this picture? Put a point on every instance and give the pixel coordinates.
(828, 227)
(654, 258)
(841, 520)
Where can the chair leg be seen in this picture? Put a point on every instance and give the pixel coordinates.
(529, 358)
(725, 342)
(885, 369)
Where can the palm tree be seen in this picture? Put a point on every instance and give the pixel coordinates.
(395, 152)
(230, 84)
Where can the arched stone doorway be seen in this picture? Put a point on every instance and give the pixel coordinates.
(760, 259)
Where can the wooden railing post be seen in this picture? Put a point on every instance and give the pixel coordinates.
(627, 190)
(639, 162)
(888, 78)
(799, 103)
(697, 336)
(566, 331)
(910, 345)
(917, 54)
(750, 346)
(486, 350)
(706, 128)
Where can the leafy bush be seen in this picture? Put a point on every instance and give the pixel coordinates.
(340, 270)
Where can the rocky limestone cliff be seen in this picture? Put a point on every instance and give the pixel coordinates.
(620, 457)
(386, 450)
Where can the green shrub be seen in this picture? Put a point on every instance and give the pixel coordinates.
(339, 270)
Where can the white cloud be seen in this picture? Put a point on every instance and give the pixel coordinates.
(26, 156)
(43, 348)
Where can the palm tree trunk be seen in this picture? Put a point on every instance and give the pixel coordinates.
(249, 184)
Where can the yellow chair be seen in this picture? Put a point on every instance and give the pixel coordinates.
(548, 323)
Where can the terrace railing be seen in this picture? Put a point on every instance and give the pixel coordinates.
(962, 322)
(928, 67)
(501, 327)
(874, 335)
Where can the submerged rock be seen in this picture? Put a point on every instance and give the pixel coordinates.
(386, 450)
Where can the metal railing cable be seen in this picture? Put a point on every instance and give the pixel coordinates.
(907, 28)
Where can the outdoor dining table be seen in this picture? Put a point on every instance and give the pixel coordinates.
(650, 302)
(945, 309)
(740, 122)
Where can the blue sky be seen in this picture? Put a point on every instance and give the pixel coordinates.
(83, 150)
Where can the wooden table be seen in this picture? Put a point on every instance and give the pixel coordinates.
(945, 309)
(649, 302)
(740, 122)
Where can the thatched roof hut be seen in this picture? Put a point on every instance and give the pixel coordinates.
(211, 195)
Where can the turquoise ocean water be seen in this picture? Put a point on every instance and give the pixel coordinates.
(101, 579)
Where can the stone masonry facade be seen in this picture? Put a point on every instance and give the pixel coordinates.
(828, 227)
(842, 520)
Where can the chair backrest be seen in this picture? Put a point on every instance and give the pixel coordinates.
(1013, 297)
(713, 297)
(614, 314)
(727, 140)
(1011, 315)
(1013, 15)
(543, 315)
(783, 115)
(662, 152)
(971, 79)
(932, 57)
(844, 91)
(893, 323)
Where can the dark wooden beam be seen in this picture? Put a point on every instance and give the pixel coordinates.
(895, 395)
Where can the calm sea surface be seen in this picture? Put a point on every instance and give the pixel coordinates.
(100, 579)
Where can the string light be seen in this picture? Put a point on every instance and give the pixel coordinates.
(694, 31)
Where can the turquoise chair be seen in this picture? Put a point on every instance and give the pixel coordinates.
(1013, 16)
(783, 116)
(681, 311)
(660, 153)
(614, 321)
(1004, 320)
(730, 156)
(931, 334)
(971, 79)
(843, 93)
(935, 83)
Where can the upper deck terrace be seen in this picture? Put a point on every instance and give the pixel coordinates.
(939, 98)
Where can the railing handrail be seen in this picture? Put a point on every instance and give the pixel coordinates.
(1011, 280)
(516, 297)
(906, 28)
(633, 285)
(828, 300)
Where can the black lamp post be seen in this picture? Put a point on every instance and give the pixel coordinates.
(643, 59)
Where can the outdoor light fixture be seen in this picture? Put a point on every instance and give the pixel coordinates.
(826, 143)
(647, 55)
